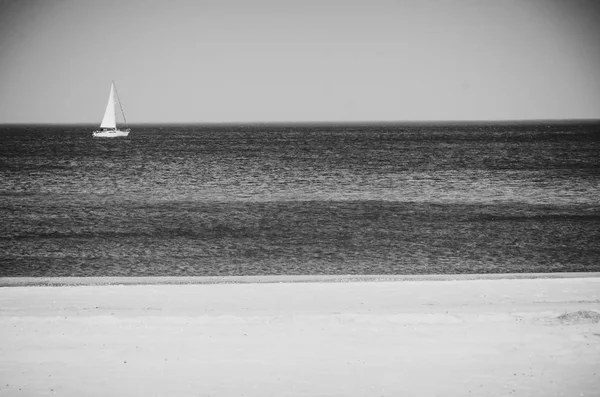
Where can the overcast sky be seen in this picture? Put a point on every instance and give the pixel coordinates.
(245, 60)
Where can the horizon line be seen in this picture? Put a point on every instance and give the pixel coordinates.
(342, 122)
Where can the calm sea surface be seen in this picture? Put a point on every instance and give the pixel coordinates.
(300, 199)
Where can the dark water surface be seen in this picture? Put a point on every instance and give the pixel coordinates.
(300, 199)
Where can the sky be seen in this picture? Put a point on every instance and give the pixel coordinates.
(299, 61)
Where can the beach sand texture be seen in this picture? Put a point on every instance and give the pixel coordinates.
(495, 337)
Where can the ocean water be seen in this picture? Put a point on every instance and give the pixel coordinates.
(194, 200)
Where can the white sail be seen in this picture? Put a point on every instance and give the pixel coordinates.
(110, 119)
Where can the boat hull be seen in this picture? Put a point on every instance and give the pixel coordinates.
(110, 133)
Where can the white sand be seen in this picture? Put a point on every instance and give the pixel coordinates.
(400, 338)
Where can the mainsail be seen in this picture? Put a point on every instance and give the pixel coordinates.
(110, 119)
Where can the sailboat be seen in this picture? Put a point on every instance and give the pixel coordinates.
(108, 127)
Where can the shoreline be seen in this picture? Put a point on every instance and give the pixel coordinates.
(268, 279)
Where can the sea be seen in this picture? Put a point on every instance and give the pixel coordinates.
(300, 199)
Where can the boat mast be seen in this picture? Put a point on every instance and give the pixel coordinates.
(120, 106)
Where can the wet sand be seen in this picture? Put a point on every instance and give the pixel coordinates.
(360, 337)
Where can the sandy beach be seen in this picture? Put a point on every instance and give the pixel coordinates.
(437, 337)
